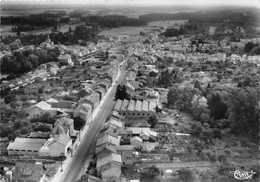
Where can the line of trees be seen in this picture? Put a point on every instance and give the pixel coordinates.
(236, 17)
(42, 19)
(113, 21)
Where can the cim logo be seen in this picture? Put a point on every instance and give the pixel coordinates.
(241, 175)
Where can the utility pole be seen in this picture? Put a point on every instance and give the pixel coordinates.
(62, 154)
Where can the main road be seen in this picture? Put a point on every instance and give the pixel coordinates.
(72, 171)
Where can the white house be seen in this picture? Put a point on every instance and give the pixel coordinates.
(57, 146)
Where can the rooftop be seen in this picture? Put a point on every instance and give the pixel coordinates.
(124, 147)
(118, 105)
(111, 158)
(136, 138)
(145, 106)
(42, 105)
(26, 144)
(28, 171)
(108, 139)
(138, 105)
(152, 106)
(124, 105)
(131, 105)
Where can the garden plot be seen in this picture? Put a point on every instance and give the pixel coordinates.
(154, 158)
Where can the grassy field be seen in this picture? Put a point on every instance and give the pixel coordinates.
(165, 24)
(122, 31)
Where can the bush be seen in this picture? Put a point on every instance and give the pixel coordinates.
(9, 98)
(79, 123)
(24, 130)
(185, 175)
(227, 151)
(153, 121)
(151, 173)
(217, 133)
(222, 158)
(212, 156)
(45, 118)
(43, 128)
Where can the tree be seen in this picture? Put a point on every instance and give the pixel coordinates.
(17, 125)
(185, 175)
(42, 128)
(153, 121)
(41, 90)
(196, 128)
(82, 93)
(217, 106)
(167, 79)
(121, 92)
(79, 123)
(200, 108)
(243, 104)
(14, 46)
(24, 130)
(172, 97)
(18, 33)
(151, 173)
(33, 60)
(181, 98)
(44, 118)
(255, 51)
(217, 133)
(27, 66)
(250, 46)
(42, 56)
(10, 98)
(197, 85)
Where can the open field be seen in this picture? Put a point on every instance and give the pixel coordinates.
(122, 31)
(165, 24)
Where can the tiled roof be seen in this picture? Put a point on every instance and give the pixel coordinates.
(152, 106)
(39, 135)
(28, 171)
(51, 100)
(136, 138)
(131, 105)
(42, 105)
(111, 158)
(138, 105)
(118, 105)
(108, 139)
(145, 106)
(63, 139)
(114, 122)
(124, 105)
(109, 147)
(124, 147)
(26, 144)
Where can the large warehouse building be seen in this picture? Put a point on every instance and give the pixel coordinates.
(135, 108)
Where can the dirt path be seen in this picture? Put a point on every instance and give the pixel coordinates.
(181, 165)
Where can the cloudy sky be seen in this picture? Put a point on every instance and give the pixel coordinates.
(255, 3)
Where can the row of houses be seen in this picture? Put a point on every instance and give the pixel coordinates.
(135, 108)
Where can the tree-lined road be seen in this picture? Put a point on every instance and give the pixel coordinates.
(72, 171)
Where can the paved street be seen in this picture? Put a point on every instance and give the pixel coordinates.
(72, 171)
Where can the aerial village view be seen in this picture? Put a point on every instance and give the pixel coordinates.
(129, 91)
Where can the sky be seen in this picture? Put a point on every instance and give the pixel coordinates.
(255, 3)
